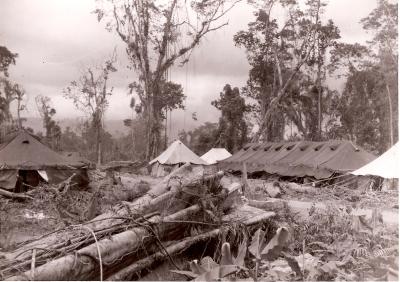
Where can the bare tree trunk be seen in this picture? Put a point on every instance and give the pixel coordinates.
(165, 131)
(126, 273)
(19, 114)
(390, 114)
(319, 103)
(133, 138)
(98, 142)
(149, 129)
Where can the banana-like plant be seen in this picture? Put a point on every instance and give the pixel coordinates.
(209, 270)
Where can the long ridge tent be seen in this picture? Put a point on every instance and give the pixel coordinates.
(302, 158)
(25, 160)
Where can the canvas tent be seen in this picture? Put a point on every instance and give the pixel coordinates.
(174, 156)
(302, 158)
(215, 155)
(25, 160)
(386, 166)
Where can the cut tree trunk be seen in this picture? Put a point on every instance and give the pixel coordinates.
(270, 205)
(14, 195)
(156, 199)
(126, 273)
(84, 264)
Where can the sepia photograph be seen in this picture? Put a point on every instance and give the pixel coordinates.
(199, 140)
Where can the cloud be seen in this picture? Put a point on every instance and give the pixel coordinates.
(56, 38)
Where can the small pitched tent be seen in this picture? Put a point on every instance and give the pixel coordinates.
(215, 154)
(303, 158)
(25, 160)
(386, 166)
(174, 156)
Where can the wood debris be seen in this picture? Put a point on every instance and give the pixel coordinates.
(134, 235)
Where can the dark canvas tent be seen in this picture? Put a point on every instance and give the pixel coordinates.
(303, 158)
(23, 158)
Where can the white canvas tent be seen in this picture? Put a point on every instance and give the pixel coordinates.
(215, 154)
(174, 156)
(386, 166)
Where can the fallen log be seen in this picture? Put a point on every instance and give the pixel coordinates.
(83, 265)
(146, 203)
(300, 188)
(126, 273)
(156, 199)
(71, 245)
(245, 214)
(8, 194)
(270, 205)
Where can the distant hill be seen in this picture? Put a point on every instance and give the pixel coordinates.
(116, 126)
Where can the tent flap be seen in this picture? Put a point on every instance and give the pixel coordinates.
(8, 178)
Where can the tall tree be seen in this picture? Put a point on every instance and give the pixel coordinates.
(281, 57)
(47, 112)
(7, 93)
(132, 106)
(171, 97)
(232, 128)
(370, 91)
(158, 34)
(138, 126)
(20, 94)
(203, 138)
(383, 23)
(90, 94)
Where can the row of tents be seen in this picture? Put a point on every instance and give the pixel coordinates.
(320, 160)
(177, 154)
(300, 159)
(24, 159)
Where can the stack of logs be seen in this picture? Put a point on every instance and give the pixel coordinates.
(134, 235)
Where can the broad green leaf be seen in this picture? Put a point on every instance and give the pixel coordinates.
(257, 243)
(329, 267)
(239, 260)
(208, 263)
(187, 273)
(218, 273)
(226, 256)
(196, 268)
(274, 247)
(293, 263)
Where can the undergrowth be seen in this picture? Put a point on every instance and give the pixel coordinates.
(329, 245)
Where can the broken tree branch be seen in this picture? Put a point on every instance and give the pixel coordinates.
(14, 195)
(174, 249)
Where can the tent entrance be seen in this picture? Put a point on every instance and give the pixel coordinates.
(27, 179)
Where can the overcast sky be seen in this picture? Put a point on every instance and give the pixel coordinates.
(54, 38)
